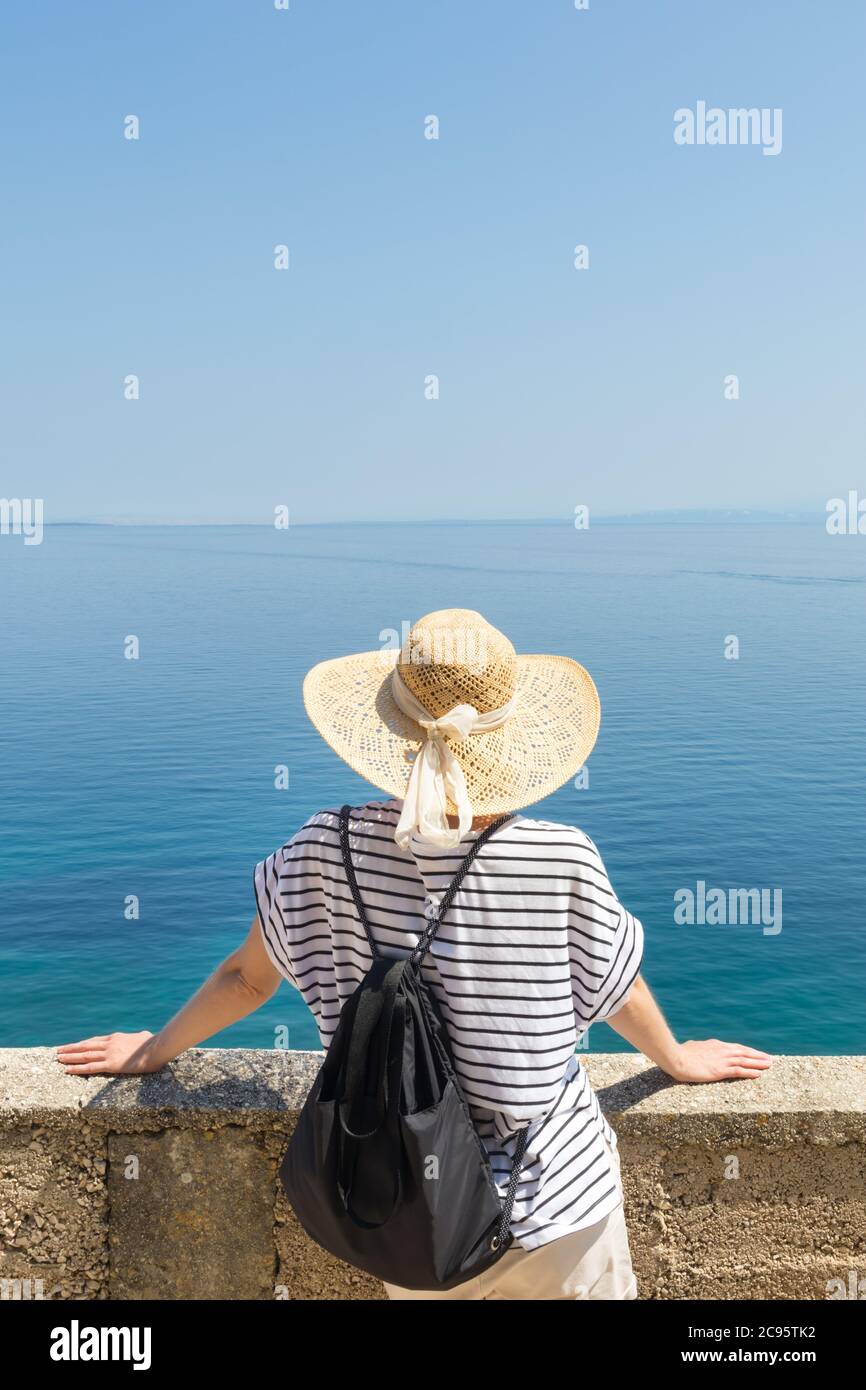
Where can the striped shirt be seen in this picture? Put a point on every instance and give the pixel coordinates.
(534, 948)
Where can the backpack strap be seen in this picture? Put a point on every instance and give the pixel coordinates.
(508, 1204)
(350, 875)
(426, 938)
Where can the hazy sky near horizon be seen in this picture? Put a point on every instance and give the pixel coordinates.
(410, 257)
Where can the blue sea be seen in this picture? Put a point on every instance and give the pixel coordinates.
(155, 777)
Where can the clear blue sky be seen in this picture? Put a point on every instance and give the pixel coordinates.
(411, 256)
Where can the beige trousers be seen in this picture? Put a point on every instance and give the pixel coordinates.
(592, 1263)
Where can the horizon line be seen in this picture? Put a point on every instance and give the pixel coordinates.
(661, 514)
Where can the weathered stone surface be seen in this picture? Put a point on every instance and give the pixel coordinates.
(747, 1189)
(192, 1215)
(209, 1082)
(53, 1211)
(744, 1189)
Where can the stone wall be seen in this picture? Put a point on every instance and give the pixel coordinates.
(166, 1186)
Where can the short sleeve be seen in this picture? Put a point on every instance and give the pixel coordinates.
(605, 941)
(266, 885)
(291, 906)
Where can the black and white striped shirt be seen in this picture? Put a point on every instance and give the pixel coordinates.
(534, 948)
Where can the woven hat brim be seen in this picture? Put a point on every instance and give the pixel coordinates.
(544, 742)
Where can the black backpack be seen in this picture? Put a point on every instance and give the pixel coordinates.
(385, 1168)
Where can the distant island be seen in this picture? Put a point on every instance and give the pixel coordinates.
(732, 515)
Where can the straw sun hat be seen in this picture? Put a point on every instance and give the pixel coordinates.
(455, 721)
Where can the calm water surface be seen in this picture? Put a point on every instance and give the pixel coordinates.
(156, 777)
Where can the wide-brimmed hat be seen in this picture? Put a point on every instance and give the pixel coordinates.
(500, 729)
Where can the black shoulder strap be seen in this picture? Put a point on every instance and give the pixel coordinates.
(451, 892)
(350, 875)
(448, 896)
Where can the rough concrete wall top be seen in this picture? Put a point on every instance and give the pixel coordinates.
(239, 1085)
(252, 1087)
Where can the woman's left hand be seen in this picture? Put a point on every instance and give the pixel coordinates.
(118, 1054)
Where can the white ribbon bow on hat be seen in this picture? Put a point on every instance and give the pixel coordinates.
(436, 773)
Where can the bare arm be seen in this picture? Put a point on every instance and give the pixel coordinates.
(642, 1023)
(238, 986)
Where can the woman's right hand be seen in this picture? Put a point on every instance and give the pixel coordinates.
(118, 1054)
(712, 1060)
